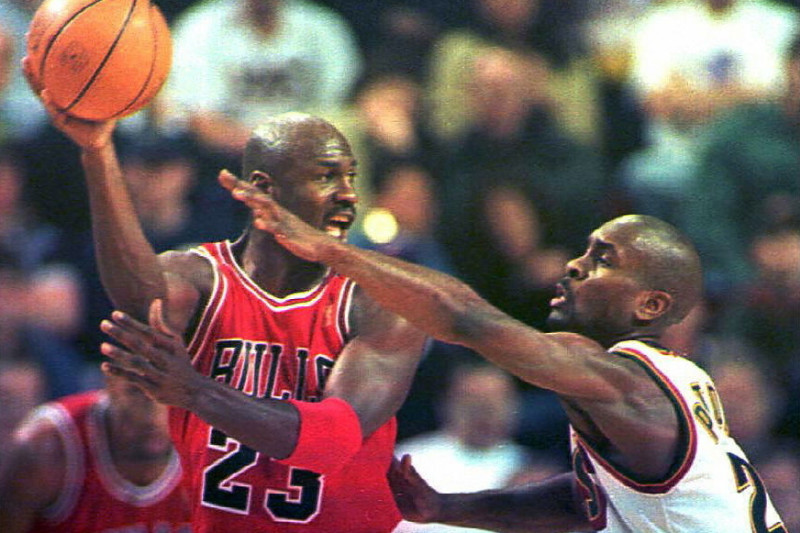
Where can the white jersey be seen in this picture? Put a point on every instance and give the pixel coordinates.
(712, 488)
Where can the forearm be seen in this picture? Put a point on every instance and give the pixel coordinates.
(129, 267)
(265, 425)
(549, 506)
(438, 304)
(319, 436)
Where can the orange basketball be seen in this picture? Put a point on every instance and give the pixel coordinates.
(99, 59)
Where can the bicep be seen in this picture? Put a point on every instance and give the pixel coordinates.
(375, 370)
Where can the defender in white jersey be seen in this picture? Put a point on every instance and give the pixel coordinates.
(711, 487)
(651, 451)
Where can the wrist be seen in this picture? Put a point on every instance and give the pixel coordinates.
(201, 394)
(331, 251)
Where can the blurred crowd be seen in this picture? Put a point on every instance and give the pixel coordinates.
(492, 136)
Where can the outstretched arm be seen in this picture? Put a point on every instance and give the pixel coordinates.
(548, 506)
(443, 306)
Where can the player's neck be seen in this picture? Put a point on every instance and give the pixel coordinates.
(273, 268)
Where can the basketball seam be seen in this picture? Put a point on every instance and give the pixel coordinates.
(99, 68)
(149, 74)
(54, 37)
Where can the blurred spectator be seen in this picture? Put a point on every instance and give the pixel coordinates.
(766, 313)
(23, 236)
(543, 32)
(391, 131)
(41, 303)
(239, 61)
(101, 460)
(691, 61)
(747, 180)
(175, 208)
(609, 31)
(22, 116)
(780, 472)
(396, 35)
(474, 448)
(22, 387)
(401, 221)
(514, 143)
(752, 404)
(40, 317)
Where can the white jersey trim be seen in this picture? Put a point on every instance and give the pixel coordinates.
(74, 459)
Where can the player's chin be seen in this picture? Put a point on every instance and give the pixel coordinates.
(558, 319)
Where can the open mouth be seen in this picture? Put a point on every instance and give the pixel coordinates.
(337, 225)
(561, 296)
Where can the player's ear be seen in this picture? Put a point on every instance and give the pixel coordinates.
(261, 179)
(653, 305)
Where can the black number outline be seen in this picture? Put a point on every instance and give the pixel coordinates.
(282, 507)
(219, 491)
(746, 477)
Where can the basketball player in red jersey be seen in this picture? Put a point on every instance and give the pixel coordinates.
(92, 462)
(285, 417)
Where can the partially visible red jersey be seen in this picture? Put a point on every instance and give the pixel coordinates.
(96, 498)
(282, 348)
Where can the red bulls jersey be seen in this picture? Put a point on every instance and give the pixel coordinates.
(95, 497)
(282, 348)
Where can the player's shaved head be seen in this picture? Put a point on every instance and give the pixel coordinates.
(277, 144)
(669, 261)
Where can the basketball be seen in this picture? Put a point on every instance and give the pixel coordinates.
(99, 59)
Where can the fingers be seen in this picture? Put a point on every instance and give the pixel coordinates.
(227, 179)
(113, 369)
(405, 464)
(122, 361)
(244, 191)
(144, 343)
(124, 319)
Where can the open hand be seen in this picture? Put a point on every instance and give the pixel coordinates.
(290, 231)
(417, 501)
(154, 357)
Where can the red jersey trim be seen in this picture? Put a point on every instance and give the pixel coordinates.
(684, 421)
